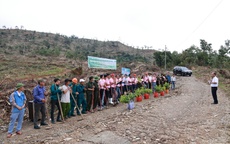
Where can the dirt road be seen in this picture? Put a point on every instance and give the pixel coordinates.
(184, 116)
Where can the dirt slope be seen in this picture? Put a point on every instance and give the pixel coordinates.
(184, 116)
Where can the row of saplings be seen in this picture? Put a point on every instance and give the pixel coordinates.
(144, 92)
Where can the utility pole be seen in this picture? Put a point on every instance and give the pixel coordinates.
(165, 56)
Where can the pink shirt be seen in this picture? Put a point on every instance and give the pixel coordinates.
(118, 82)
(112, 82)
(123, 81)
(135, 80)
(102, 83)
(132, 80)
(107, 83)
(154, 79)
(129, 81)
(146, 79)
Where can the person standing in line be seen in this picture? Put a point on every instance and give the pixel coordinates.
(65, 98)
(173, 80)
(130, 85)
(39, 93)
(150, 81)
(214, 86)
(118, 87)
(154, 82)
(124, 83)
(73, 98)
(108, 89)
(168, 77)
(146, 80)
(55, 92)
(96, 101)
(102, 91)
(90, 94)
(18, 102)
(81, 97)
(135, 81)
(113, 84)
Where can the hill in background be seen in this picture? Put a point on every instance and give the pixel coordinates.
(36, 53)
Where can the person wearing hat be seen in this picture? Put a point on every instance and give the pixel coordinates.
(81, 97)
(55, 92)
(96, 101)
(73, 85)
(90, 93)
(39, 93)
(17, 101)
(65, 98)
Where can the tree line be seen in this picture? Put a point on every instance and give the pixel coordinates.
(196, 56)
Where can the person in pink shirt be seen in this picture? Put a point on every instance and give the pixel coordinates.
(113, 84)
(146, 80)
(108, 88)
(118, 88)
(134, 82)
(154, 82)
(122, 84)
(129, 83)
(102, 88)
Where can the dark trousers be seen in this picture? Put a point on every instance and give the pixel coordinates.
(118, 92)
(103, 97)
(214, 95)
(72, 106)
(96, 99)
(108, 93)
(42, 108)
(53, 104)
(89, 101)
(81, 102)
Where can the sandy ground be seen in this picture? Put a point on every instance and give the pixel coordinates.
(186, 115)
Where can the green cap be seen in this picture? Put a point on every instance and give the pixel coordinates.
(19, 85)
(96, 78)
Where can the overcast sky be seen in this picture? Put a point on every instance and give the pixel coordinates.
(175, 23)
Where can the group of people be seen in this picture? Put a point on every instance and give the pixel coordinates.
(77, 97)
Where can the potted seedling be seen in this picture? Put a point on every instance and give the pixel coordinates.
(147, 93)
(162, 91)
(167, 86)
(138, 94)
(157, 91)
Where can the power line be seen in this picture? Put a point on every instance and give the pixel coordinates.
(203, 21)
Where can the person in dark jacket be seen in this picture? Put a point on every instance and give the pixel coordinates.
(55, 93)
(96, 94)
(90, 93)
(18, 101)
(39, 93)
(73, 96)
(81, 97)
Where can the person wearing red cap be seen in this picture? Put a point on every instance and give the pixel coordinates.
(73, 85)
